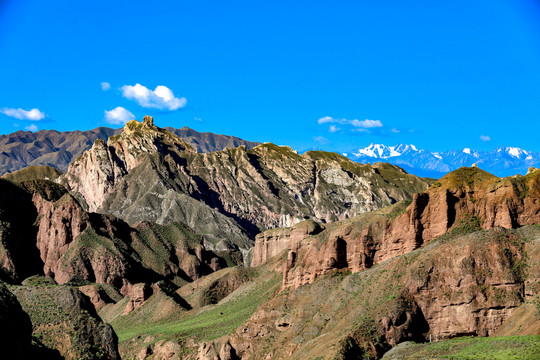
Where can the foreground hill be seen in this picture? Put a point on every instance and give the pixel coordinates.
(57, 149)
(148, 173)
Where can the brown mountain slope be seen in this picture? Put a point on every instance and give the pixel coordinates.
(147, 173)
(46, 231)
(46, 147)
(33, 172)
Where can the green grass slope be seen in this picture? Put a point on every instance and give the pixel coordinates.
(471, 348)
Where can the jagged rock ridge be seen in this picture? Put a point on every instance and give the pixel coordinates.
(57, 149)
(147, 173)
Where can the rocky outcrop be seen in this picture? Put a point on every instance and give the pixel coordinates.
(19, 257)
(464, 200)
(66, 321)
(138, 294)
(23, 149)
(148, 174)
(272, 242)
(99, 295)
(94, 175)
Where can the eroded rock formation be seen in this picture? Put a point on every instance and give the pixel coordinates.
(148, 173)
(468, 198)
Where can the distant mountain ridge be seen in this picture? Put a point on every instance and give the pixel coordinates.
(57, 149)
(503, 161)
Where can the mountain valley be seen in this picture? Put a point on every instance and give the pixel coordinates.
(147, 243)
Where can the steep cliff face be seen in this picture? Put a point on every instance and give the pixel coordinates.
(464, 200)
(55, 236)
(147, 173)
(455, 286)
(272, 242)
(461, 284)
(94, 175)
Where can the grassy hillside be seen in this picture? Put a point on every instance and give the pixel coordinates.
(471, 348)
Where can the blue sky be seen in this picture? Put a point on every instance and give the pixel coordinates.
(310, 74)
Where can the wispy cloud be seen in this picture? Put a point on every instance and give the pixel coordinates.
(396, 131)
(326, 119)
(32, 128)
(357, 125)
(197, 119)
(321, 139)
(32, 115)
(161, 98)
(333, 128)
(485, 138)
(118, 116)
(105, 86)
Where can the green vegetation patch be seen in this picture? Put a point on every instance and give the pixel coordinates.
(33, 172)
(466, 176)
(485, 348)
(210, 322)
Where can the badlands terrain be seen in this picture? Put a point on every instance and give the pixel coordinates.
(160, 243)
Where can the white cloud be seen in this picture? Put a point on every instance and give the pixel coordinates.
(197, 118)
(321, 139)
(485, 138)
(326, 119)
(33, 114)
(32, 128)
(394, 130)
(366, 124)
(105, 86)
(161, 98)
(333, 128)
(118, 116)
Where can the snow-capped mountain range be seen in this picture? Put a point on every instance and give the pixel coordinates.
(503, 161)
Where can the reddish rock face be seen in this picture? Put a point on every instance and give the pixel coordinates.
(68, 243)
(272, 242)
(97, 295)
(467, 197)
(138, 294)
(61, 220)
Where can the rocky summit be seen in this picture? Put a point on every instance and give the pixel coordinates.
(149, 174)
(153, 245)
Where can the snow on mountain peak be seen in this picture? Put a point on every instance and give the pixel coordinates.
(502, 161)
(516, 152)
(384, 152)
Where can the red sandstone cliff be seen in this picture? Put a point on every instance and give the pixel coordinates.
(468, 197)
